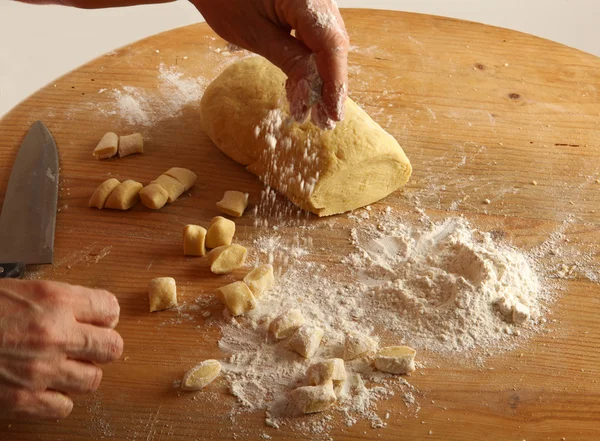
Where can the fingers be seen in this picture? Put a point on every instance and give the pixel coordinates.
(24, 403)
(93, 344)
(322, 30)
(94, 306)
(76, 377)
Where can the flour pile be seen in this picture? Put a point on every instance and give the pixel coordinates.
(442, 287)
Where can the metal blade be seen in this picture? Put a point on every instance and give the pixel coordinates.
(28, 216)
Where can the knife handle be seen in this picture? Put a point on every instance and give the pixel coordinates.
(11, 270)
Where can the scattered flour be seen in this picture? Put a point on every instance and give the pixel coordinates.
(141, 107)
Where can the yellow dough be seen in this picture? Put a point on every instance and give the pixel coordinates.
(225, 259)
(102, 193)
(125, 196)
(107, 147)
(194, 237)
(220, 232)
(153, 196)
(325, 172)
(183, 175)
(173, 187)
(131, 144)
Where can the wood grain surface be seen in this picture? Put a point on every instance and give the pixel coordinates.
(481, 112)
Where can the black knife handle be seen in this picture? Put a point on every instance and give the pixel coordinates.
(11, 270)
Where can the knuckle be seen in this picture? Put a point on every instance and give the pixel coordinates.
(48, 291)
(44, 331)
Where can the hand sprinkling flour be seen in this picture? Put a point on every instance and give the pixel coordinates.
(315, 61)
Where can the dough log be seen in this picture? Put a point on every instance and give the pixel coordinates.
(324, 172)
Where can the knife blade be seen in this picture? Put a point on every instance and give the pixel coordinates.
(28, 216)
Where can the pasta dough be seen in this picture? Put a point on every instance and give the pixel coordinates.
(193, 240)
(101, 194)
(225, 259)
(237, 297)
(220, 232)
(107, 147)
(306, 340)
(154, 197)
(396, 360)
(201, 375)
(183, 175)
(173, 187)
(162, 293)
(131, 144)
(313, 399)
(125, 196)
(286, 324)
(260, 279)
(234, 203)
(328, 370)
(324, 172)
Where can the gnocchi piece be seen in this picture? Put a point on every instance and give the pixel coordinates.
(101, 194)
(306, 340)
(125, 196)
(234, 203)
(225, 259)
(220, 232)
(162, 293)
(131, 144)
(286, 324)
(153, 196)
(358, 345)
(396, 359)
(260, 279)
(237, 297)
(193, 240)
(328, 370)
(201, 375)
(183, 175)
(173, 187)
(313, 399)
(520, 313)
(107, 147)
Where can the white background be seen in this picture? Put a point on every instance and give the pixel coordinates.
(40, 43)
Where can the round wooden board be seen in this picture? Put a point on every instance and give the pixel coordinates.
(481, 112)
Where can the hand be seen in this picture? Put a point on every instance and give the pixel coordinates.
(315, 61)
(51, 334)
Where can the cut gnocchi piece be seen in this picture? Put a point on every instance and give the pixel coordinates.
(183, 175)
(237, 297)
(153, 196)
(193, 240)
(173, 187)
(328, 370)
(234, 203)
(260, 279)
(286, 324)
(125, 196)
(107, 147)
(520, 313)
(201, 375)
(358, 345)
(396, 359)
(102, 192)
(306, 340)
(313, 399)
(225, 259)
(131, 144)
(220, 232)
(162, 293)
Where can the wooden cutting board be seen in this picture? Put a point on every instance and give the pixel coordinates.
(481, 112)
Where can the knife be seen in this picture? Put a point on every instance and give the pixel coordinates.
(28, 216)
